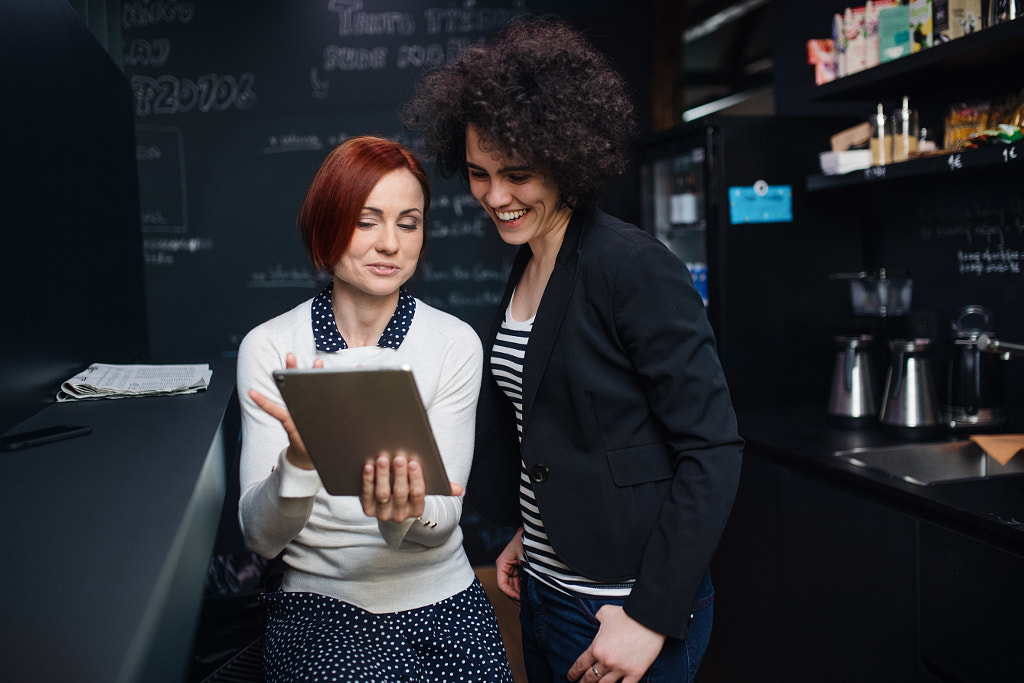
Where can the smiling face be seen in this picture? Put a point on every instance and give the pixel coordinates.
(523, 205)
(387, 241)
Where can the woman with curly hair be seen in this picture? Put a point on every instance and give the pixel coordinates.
(605, 430)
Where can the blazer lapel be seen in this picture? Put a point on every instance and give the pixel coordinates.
(553, 306)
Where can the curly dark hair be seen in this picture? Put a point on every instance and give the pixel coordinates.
(537, 91)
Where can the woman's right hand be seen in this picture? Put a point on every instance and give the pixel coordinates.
(508, 562)
(296, 454)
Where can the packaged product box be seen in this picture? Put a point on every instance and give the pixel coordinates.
(872, 48)
(894, 32)
(821, 52)
(940, 21)
(856, 40)
(921, 29)
(839, 40)
(964, 17)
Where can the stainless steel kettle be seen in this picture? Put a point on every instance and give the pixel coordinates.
(853, 398)
(975, 388)
(910, 406)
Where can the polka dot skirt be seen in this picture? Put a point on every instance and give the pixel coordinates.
(325, 327)
(312, 637)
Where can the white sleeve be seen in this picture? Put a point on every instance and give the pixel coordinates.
(276, 496)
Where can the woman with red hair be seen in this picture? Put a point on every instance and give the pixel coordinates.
(376, 587)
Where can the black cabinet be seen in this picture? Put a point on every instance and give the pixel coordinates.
(848, 580)
(813, 583)
(972, 602)
(746, 641)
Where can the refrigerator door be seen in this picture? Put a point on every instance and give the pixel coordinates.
(675, 206)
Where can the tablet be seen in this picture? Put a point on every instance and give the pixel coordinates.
(347, 417)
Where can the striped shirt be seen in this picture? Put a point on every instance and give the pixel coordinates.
(539, 559)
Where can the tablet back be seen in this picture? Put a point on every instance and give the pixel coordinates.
(347, 417)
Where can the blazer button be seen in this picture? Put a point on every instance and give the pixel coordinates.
(539, 474)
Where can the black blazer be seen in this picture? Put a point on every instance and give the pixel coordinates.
(629, 433)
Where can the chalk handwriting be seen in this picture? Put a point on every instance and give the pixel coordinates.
(479, 272)
(152, 12)
(342, 58)
(154, 52)
(293, 142)
(467, 228)
(354, 22)
(279, 276)
(470, 20)
(431, 55)
(148, 153)
(319, 85)
(990, 261)
(474, 300)
(153, 218)
(161, 251)
(456, 203)
(209, 93)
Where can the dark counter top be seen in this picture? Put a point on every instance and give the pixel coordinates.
(107, 537)
(804, 438)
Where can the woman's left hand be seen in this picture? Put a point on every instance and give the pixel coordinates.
(622, 650)
(394, 489)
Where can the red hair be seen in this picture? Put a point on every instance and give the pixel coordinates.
(339, 191)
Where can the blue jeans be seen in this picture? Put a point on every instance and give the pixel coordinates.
(557, 628)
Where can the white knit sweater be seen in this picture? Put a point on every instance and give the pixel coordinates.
(330, 546)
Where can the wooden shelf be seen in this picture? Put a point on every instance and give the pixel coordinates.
(967, 161)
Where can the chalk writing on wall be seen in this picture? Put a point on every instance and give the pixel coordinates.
(987, 235)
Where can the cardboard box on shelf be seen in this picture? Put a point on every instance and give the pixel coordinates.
(921, 27)
(855, 136)
(872, 48)
(894, 32)
(964, 18)
(856, 40)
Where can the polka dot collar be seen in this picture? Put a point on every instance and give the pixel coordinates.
(325, 327)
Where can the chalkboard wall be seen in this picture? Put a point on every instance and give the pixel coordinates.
(236, 104)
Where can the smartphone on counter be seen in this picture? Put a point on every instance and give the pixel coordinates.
(37, 437)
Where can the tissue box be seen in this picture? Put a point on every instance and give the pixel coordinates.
(837, 163)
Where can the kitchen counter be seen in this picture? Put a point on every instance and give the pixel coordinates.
(107, 537)
(803, 437)
(828, 571)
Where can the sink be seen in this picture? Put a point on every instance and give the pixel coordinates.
(932, 463)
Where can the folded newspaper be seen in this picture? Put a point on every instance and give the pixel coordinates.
(123, 381)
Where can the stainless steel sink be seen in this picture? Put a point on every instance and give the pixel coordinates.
(930, 463)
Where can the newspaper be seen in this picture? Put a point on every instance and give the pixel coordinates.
(122, 381)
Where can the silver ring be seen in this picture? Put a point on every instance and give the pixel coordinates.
(596, 672)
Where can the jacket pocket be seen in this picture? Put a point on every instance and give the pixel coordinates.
(640, 464)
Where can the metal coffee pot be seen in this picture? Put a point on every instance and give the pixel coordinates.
(975, 387)
(853, 398)
(910, 406)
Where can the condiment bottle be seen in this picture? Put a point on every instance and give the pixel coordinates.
(881, 143)
(904, 132)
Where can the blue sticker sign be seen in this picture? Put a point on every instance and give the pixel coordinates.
(761, 203)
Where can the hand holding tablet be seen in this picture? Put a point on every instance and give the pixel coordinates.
(344, 419)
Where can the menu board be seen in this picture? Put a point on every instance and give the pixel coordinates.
(236, 105)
